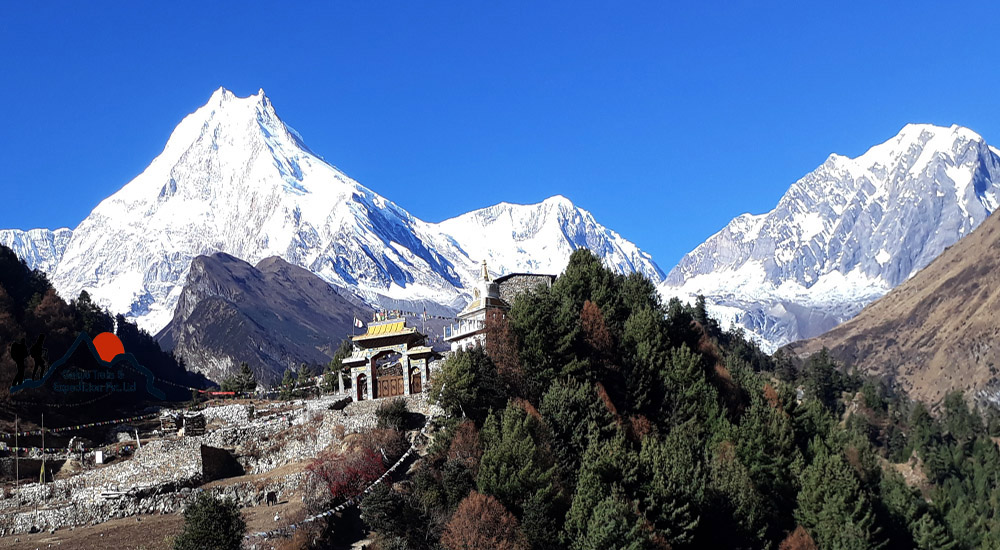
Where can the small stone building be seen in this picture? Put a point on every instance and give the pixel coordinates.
(491, 297)
(514, 284)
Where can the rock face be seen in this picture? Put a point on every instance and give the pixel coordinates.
(273, 315)
(234, 178)
(938, 331)
(844, 234)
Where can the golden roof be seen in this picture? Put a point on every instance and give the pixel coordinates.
(420, 350)
(391, 328)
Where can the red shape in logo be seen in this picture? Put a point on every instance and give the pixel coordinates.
(108, 346)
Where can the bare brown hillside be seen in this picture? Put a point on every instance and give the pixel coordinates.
(937, 331)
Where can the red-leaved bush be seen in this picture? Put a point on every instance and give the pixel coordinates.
(335, 477)
(799, 539)
(595, 331)
(465, 444)
(502, 349)
(482, 522)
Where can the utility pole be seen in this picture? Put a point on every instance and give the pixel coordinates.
(43, 449)
(17, 455)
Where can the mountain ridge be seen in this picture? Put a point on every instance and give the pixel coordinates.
(844, 234)
(934, 333)
(234, 178)
(39, 248)
(273, 315)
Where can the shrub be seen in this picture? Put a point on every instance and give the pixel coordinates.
(389, 444)
(392, 414)
(465, 444)
(334, 478)
(211, 523)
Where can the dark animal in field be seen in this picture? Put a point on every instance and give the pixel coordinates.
(271, 498)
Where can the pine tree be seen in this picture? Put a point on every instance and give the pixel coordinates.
(382, 510)
(514, 464)
(929, 534)
(94, 320)
(961, 423)
(457, 480)
(288, 385)
(646, 344)
(574, 417)
(613, 524)
(543, 517)
(821, 379)
(783, 367)
(689, 397)
(248, 380)
(468, 385)
(903, 506)
(673, 486)
(738, 511)
(454, 386)
(243, 381)
(608, 466)
(966, 524)
(701, 315)
(544, 339)
(765, 444)
(211, 523)
(834, 507)
(304, 375)
(330, 382)
(585, 278)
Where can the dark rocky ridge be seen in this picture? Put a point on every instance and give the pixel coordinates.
(273, 316)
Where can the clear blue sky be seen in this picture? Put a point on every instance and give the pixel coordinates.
(665, 120)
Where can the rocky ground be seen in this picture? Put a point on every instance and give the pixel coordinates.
(272, 441)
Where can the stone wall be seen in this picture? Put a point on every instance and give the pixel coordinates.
(218, 464)
(163, 475)
(29, 468)
(516, 285)
(35, 514)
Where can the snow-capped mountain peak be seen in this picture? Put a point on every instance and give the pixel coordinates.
(234, 178)
(845, 233)
(540, 237)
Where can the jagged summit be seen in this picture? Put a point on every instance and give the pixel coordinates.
(221, 94)
(542, 236)
(39, 248)
(225, 94)
(234, 178)
(844, 234)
